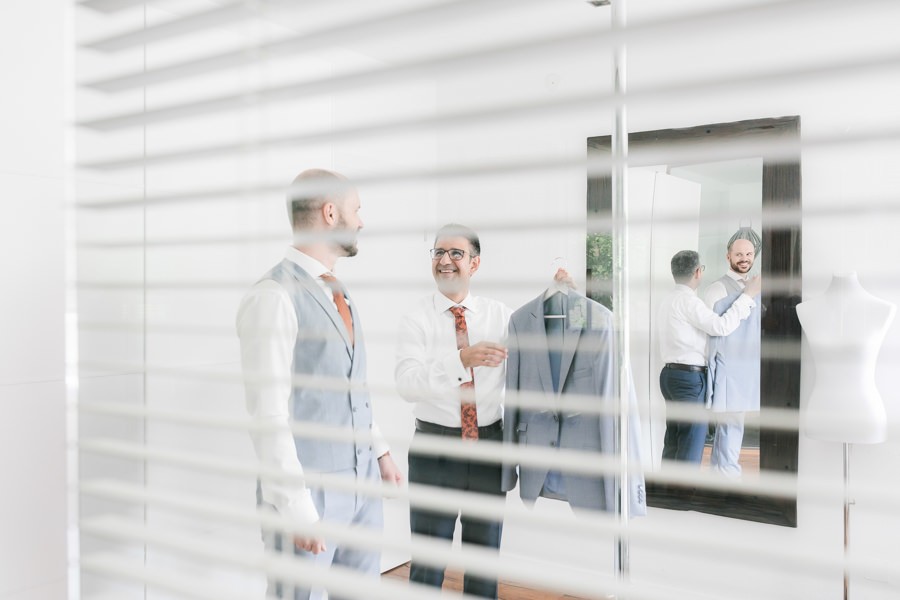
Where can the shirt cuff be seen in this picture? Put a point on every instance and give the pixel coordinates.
(301, 508)
(750, 302)
(379, 444)
(455, 370)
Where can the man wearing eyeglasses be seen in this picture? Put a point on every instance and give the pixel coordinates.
(451, 362)
(685, 326)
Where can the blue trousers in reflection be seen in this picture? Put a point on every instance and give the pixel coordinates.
(684, 439)
(456, 474)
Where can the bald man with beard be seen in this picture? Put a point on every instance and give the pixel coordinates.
(734, 360)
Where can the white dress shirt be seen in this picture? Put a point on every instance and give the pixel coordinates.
(685, 322)
(429, 370)
(716, 290)
(267, 327)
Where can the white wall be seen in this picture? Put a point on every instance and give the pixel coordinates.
(32, 262)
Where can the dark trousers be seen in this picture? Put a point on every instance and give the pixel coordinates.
(684, 439)
(456, 474)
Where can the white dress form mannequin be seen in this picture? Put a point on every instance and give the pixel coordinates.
(845, 328)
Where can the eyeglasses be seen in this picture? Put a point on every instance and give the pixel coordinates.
(455, 253)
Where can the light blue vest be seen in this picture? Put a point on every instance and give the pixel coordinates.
(734, 359)
(323, 350)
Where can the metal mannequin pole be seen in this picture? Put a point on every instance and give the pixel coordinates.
(620, 284)
(846, 518)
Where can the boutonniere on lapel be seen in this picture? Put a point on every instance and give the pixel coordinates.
(577, 314)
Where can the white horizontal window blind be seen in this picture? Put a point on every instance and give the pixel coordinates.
(595, 137)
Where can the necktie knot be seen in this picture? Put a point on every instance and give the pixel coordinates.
(332, 281)
(462, 329)
(340, 303)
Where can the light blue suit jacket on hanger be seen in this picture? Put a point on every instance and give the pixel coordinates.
(587, 371)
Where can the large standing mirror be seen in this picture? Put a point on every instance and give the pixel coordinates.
(693, 188)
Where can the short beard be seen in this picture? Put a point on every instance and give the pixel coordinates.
(350, 248)
(737, 269)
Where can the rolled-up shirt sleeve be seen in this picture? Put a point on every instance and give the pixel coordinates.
(267, 327)
(379, 443)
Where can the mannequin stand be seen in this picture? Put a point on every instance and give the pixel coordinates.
(847, 504)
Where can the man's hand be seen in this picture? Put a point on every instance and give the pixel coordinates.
(753, 286)
(389, 471)
(483, 354)
(313, 545)
(562, 277)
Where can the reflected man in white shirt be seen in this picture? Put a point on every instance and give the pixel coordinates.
(304, 362)
(685, 325)
(452, 354)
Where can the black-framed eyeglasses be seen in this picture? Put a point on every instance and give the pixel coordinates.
(455, 253)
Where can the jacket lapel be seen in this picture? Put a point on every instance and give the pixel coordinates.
(575, 320)
(315, 291)
(537, 342)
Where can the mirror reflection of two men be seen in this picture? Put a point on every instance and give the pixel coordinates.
(709, 342)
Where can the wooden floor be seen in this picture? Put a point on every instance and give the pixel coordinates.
(508, 591)
(749, 460)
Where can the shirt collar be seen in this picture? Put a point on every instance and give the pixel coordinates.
(442, 303)
(314, 268)
(680, 287)
(736, 276)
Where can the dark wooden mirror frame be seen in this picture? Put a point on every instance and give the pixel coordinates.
(777, 141)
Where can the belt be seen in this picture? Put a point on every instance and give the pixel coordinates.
(681, 367)
(435, 429)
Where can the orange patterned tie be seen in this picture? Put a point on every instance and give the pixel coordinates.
(337, 291)
(468, 413)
